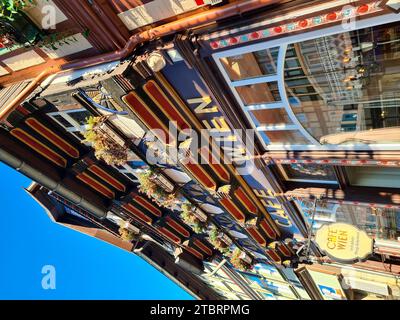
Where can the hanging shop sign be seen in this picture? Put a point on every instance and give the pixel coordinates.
(344, 243)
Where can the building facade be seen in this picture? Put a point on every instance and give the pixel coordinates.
(224, 143)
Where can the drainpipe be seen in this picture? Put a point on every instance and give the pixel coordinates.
(111, 20)
(102, 23)
(50, 184)
(193, 21)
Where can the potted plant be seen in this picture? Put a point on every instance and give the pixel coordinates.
(126, 234)
(153, 188)
(191, 217)
(16, 29)
(55, 40)
(106, 148)
(241, 260)
(9, 9)
(220, 241)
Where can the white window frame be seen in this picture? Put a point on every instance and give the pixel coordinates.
(286, 177)
(296, 125)
(65, 114)
(128, 169)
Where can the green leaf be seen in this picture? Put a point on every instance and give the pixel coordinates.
(86, 33)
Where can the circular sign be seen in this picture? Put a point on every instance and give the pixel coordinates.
(344, 242)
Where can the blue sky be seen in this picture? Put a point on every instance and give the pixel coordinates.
(86, 268)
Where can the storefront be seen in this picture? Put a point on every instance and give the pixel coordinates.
(318, 83)
(339, 282)
(332, 84)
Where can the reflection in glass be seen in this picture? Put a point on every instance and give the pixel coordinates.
(268, 117)
(252, 64)
(301, 171)
(285, 137)
(379, 223)
(383, 177)
(259, 93)
(348, 85)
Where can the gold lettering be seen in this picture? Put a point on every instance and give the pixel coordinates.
(203, 103)
(337, 239)
(220, 124)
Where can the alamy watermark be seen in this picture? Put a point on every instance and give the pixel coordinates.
(49, 277)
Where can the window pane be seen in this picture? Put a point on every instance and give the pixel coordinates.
(380, 223)
(292, 63)
(63, 121)
(385, 177)
(272, 116)
(294, 73)
(286, 136)
(301, 171)
(252, 64)
(357, 70)
(80, 116)
(259, 93)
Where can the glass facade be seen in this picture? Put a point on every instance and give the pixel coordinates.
(359, 68)
(309, 172)
(259, 93)
(337, 89)
(379, 223)
(382, 177)
(252, 64)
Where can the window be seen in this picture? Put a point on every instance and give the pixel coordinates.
(303, 90)
(270, 117)
(72, 120)
(294, 73)
(348, 127)
(292, 63)
(285, 137)
(318, 81)
(79, 116)
(350, 107)
(380, 223)
(349, 117)
(360, 75)
(309, 173)
(250, 65)
(131, 168)
(259, 93)
(298, 82)
(384, 177)
(310, 97)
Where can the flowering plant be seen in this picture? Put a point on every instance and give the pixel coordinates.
(238, 261)
(190, 218)
(148, 186)
(105, 147)
(217, 242)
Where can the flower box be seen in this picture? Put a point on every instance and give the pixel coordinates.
(162, 181)
(112, 135)
(241, 260)
(200, 214)
(224, 238)
(245, 257)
